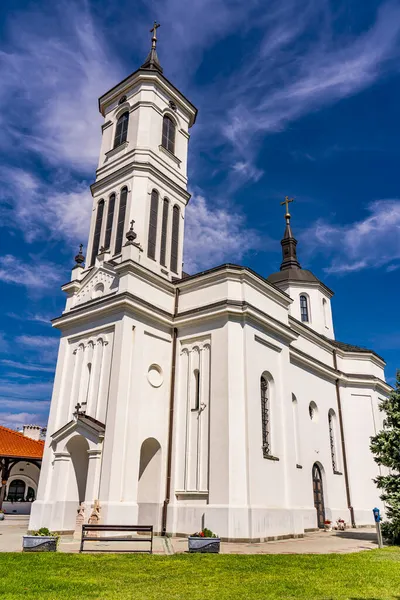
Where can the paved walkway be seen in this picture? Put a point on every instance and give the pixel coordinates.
(352, 540)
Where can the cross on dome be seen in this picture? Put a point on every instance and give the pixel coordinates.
(152, 61)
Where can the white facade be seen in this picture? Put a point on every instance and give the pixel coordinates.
(169, 371)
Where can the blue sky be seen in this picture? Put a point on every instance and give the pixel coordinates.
(297, 97)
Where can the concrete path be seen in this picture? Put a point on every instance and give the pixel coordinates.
(352, 540)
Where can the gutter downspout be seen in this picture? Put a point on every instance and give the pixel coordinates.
(346, 473)
(171, 422)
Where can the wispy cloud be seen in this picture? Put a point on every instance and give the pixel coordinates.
(38, 341)
(17, 420)
(291, 74)
(43, 210)
(369, 243)
(36, 317)
(58, 63)
(26, 366)
(34, 275)
(215, 235)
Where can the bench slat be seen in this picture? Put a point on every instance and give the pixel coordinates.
(87, 528)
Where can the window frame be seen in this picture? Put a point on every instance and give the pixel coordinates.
(120, 136)
(153, 224)
(98, 225)
(265, 415)
(175, 232)
(304, 308)
(123, 201)
(168, 135)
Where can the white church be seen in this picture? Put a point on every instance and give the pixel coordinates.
(219, 399)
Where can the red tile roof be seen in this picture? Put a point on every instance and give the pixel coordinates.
(13, 443)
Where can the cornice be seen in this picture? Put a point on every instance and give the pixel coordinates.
(129, 169)
(131, 267)
(311, 335)
(143, 75)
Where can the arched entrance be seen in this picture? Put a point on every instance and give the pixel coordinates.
(318, 495)
(78, 449)
(148, 495)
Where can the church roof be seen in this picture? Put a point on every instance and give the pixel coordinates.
(15, 444)
(352, 348)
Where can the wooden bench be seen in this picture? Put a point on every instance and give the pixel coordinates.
(88, 529)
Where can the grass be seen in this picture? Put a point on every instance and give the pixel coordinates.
(372, 575)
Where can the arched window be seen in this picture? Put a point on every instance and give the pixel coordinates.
(164, 231)
(168, 134)
(121, 220)
(332, 439)
(152, 241)
(97, 231)
(304, 309)
(175, 239)
(325, 311)
(265, 416)
(196, 389)
(110, 219)
(296, 430)
(16, 491)
(121, 131)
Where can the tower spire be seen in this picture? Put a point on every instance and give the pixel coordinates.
(152, 61)
(288, 242)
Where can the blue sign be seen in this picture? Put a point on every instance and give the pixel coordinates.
(377, 515)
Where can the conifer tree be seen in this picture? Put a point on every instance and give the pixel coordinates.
(386, 449)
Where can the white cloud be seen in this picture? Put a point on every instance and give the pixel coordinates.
(290, 74)
(3, 343)
(38, 341)
(42, 210)
(26, 366)
(36, 318)
(57, 65)
(17, 420)
(214, 235)
(34, 276)
(373, 242)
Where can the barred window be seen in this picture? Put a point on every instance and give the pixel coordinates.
(97, 232)
(332, 441)
(265, 416)
(304, 309)
(121, 131)
(110, 219)
(175, 239)
(168, 134)
(164, 231)
(151, 244)
(121, 220)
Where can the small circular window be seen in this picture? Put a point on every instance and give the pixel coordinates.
(313, 411)
(155, 375)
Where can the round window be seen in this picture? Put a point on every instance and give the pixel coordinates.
(155, 375)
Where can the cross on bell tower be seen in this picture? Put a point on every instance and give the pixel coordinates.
(289, 242)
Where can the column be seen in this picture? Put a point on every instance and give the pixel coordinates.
(93, 476)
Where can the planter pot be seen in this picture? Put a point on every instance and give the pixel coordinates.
(203, 544)
(1, 516)
(39, 543)
(328, 527)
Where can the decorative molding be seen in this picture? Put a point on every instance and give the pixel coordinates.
(170, 155)
(116, 150)
(267, 343)
(270, 457)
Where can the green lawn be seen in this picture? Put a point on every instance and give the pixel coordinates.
(372, 575)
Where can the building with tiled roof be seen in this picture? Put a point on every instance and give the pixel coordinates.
(20, 461)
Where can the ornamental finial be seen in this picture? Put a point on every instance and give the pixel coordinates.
(131, 235)
(152, 61)
(287, 202)
(79, 258)
(153, 30)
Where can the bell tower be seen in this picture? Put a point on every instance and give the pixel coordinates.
(142, 170)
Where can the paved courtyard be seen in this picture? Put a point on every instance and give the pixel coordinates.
(352, 540)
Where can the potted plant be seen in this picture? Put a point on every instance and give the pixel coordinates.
(204, 541)
(2, 513)
(328, 525)
(41, 540)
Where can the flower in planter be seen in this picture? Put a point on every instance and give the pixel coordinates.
(205, 533)
(327, 522)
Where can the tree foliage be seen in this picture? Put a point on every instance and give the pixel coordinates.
(385, 447)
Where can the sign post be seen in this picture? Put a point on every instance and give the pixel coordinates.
(377, 517)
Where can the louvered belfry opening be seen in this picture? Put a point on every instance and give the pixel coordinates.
(97, 231)
(121, 220)
(121, 131)
(175, 239)
(164, 232)
(168, 134)
(152, 241)
(110, 219)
